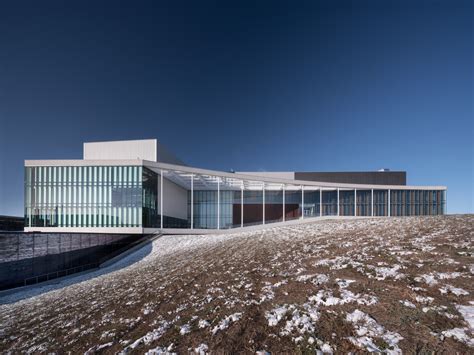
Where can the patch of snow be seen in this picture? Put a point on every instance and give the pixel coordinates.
(316, 279)
(421, 299)
(201, 349)
(453, 290)
(302, 323)
(161, 351)
(448, 275)
(367, 328)
(224, 324)
(98, 348)
(203, 323)
(407, 304)
(460, 334)
(429, 279)
(344, 283)
(390, 272)
(326, 298)
(326, 348)
(185, 329)
(468, 313)
(276, 315)
(151, 336)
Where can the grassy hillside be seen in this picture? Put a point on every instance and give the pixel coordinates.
(396, 284)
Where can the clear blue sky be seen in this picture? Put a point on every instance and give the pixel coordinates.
(244, 85)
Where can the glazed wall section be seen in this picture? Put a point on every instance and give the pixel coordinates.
(90, 196)
(236, 211)
(134, 196)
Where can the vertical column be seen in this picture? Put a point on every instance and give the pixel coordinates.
(302, 202)
(161, 199)
(388, 203)
(338, 211)
(372, 203)
(355, 202)
(242, 205)
(192, 201)
(263, 204)
(320, 202)
(284, 209)
(218, 203)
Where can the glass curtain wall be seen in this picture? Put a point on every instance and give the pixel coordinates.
(86, 196)
(253, 205)
(129, 196)
(150, 217)
(293, 202)
(417, 202)
(346, 202)
(329, 199)
(364, 203)
(311, 202)
(205, 204)
(205, 209)
(380, 203)
(273, 203)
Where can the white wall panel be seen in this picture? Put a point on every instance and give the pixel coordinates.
(175, 200)
(145, 149)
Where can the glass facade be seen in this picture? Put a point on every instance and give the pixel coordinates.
(417, 202)
(311, 203)
(90, 196)
(205, 209)
(129, 196)
(364, 203)
(329, 200)
(346, 202)
(351, 203)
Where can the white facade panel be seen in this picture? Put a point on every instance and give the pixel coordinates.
(175, 200)
(145, 149)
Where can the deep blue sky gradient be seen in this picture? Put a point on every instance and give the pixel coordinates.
(257, 85)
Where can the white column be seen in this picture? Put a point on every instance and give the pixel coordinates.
(284, 204)
(161, 199)
(242, 205)
(263, 193)
(388, 202)
(192, 201)
(320, 202)
(355, 202)
(372, 203)
(218, 203)
(302, 202)
(338, 201)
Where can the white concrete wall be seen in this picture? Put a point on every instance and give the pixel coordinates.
(145, 149)
(175, 199)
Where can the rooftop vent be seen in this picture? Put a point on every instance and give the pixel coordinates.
(384, 169)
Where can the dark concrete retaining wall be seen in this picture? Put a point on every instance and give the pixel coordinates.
(28, 258)
(10, 223)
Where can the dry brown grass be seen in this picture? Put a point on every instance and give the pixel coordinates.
(185, 280)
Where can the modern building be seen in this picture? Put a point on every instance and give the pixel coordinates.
(140, 187)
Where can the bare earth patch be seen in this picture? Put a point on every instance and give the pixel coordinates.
(388, 284)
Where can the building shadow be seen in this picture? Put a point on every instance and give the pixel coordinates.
(22, 293)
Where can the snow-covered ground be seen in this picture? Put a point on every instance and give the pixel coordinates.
(386, 285)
